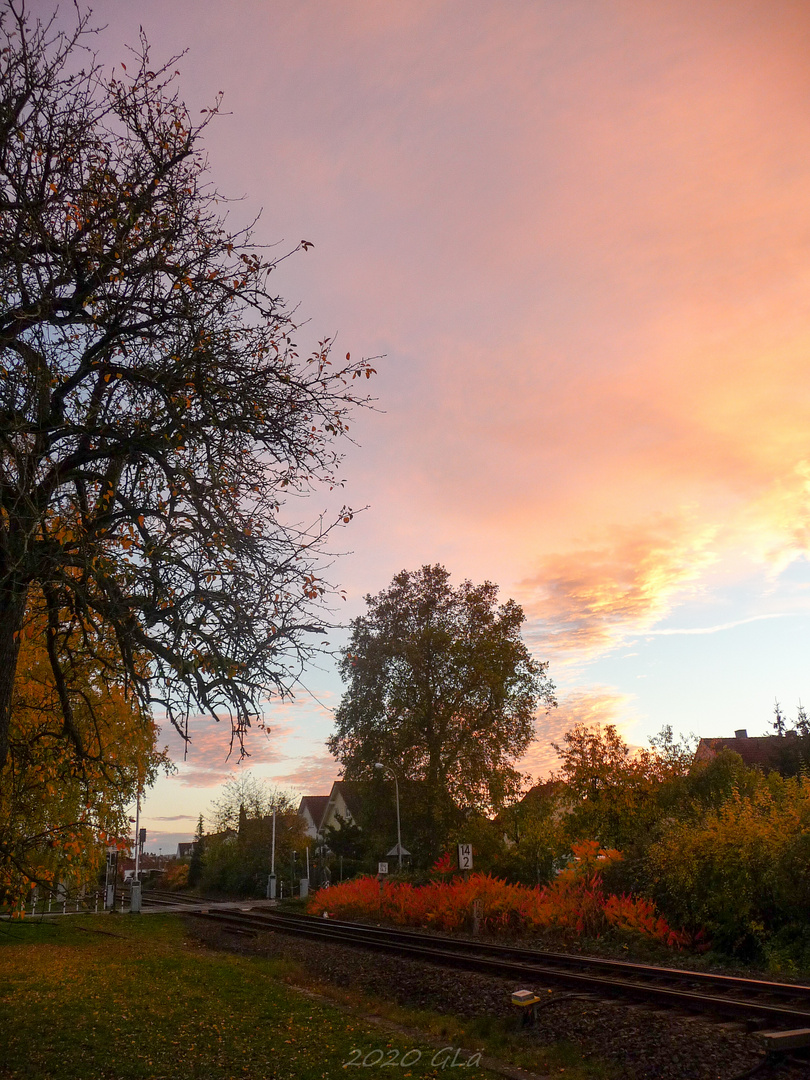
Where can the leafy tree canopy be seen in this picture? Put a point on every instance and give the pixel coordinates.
(60, 807)
(238, 854)
(154, 405)
(246, 795)
(614, 792)
(441, 687)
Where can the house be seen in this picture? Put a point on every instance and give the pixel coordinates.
(185, 851)
(345, 802)
(539, 801)
(768, 753)
(349, 803)
(311, 810)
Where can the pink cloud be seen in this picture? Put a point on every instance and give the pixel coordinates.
(581, 238)
(207, 759)
(596, 705)
(314, 774)
(586, 599)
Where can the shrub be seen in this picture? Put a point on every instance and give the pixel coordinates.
(574, 904)
(176, 875)
(742, 870)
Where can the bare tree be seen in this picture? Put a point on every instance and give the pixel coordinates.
(154, 407)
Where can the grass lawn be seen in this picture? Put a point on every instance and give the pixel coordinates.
(133, 997)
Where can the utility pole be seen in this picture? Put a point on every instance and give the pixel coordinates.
(137, 837)
(135, 887)
(388, 769)
(271, 881)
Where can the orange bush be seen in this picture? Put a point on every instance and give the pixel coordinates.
(573, 904)
(176, 876)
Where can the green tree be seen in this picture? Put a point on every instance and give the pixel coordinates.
(246, 795)
(793, 753)
(616, 794)
(535, 839)
(154, 406)
(238, 854)
(740, 870)
(346, 839)
(195, 867)
(441, 687)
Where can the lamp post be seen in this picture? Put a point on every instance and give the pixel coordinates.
(135, 885)
(137, 876)
(387, 768)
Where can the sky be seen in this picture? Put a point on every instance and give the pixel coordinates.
(577, 236)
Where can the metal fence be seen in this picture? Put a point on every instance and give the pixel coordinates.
(61, 902)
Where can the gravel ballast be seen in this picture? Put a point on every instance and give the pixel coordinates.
(642, 1043)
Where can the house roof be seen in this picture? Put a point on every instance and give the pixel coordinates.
(541, 792)
(315, 806)
(766, 752)
(354, 793)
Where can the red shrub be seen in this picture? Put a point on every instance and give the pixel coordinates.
(573, 904)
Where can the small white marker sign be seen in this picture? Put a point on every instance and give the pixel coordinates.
(382, 867)
(465, 860)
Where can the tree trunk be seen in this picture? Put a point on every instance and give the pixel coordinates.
(13, 595)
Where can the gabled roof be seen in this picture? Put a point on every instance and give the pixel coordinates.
(354, 793)
(315, 806)
(767, 752)
(395, 851)
(542, 792)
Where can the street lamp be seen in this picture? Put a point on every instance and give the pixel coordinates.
(386, 768)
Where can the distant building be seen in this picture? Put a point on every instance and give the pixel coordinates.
(184, 851)
(769, 753)
(345, 801)
(311, 810)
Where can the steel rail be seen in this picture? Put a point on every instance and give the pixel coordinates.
(154, 897)
(570, 960)
(531, 966)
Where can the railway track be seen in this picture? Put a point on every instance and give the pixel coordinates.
(158, 898)
(755, 1002)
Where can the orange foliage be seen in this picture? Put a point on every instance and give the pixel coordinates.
(176, 875)
(59, 808)
(573, 904)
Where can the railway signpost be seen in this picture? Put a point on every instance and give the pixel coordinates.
(465, 857)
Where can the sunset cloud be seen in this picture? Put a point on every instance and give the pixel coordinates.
(313, 775)
(597, 705)
(589, 599)
(578, 233)
(208, 759)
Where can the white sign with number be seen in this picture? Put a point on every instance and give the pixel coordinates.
(382, 867)
(465, 861)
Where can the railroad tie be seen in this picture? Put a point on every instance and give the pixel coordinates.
(776, 1041)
